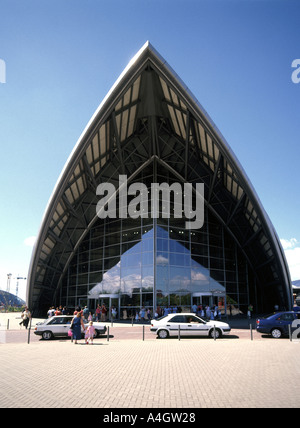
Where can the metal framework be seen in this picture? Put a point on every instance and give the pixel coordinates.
(150, 116)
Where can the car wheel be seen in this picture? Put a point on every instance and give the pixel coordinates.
(163, 334)
(276, 333)
(47, 335)
(215, 333)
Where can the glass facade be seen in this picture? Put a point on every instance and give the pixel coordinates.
(157, 262)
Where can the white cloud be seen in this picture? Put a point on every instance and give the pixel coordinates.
(292, 253)
(30, 241)
(289, 243)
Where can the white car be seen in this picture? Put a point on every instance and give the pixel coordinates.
(59, 325)
(187, 324)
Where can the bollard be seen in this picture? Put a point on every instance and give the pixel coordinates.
(214, 332)
(143, 332)
(108, 333)
(132, 322)
(28, 339)
(290, 332)
(251, 332)
(7, 324)
(179, 332)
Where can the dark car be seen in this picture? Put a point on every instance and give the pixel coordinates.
(276, 324)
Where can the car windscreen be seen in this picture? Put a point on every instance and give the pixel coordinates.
(60, 320)
(56, 321)
(161, 318)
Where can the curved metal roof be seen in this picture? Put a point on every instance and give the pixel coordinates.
(149, 114)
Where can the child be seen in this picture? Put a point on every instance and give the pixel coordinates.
(89, 334)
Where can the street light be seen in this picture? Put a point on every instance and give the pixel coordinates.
(17, 285)
(9, 275)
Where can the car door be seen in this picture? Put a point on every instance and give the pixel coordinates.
(196, 326)
(174, 323)
(190, 325)
(56, 326)
(284, 320)
(287, 321)
(65, 327)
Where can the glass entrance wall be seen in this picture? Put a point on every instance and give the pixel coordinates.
(157, 262)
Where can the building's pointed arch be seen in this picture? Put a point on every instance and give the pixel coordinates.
(150, 117)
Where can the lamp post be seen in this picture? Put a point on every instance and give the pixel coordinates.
(17, 285)
(9, 275)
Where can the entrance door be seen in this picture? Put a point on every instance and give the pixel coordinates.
(106, 302)
(110, 301)
(204, 299)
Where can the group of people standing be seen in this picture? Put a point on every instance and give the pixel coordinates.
(143, 314)
(207, 312)
(57, 311)
(101, 313)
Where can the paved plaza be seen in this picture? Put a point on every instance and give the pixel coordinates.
(150, 373)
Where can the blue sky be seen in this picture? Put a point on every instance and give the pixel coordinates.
(63, 56)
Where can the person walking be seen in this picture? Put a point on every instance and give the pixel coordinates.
(76, 325)
(89, 334)
(26, 317)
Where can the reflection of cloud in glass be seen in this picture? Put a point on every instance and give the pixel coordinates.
(95, 291)
(111, 280)
(147, 282)
(201, 279)
(197, 275)
(135, 269)
(179, 283)
(161, 260)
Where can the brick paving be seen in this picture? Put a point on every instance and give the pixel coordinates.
(152, 374)
(165, 374)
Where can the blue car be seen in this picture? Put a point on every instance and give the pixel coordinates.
(276, 324)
